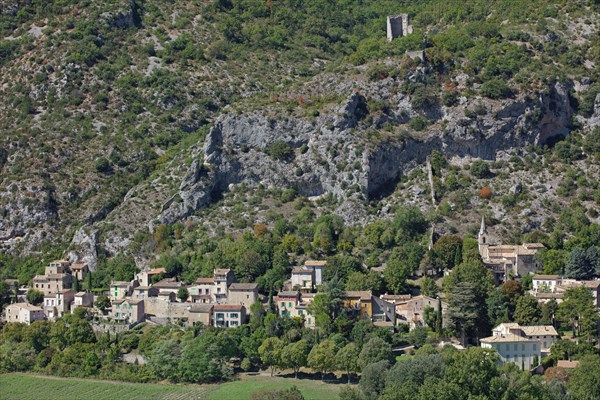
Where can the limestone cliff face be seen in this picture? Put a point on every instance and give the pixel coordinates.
(332, 153)
(340, 160)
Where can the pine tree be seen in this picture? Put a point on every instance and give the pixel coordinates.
(463, 310)
(579, 266)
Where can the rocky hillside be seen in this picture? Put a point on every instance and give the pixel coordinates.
(121, 116)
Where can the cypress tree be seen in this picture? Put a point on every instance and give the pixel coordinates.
(88, 281)
(76, 285)
(438, 321)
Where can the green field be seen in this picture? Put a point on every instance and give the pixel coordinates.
(30, 387)
(311, 389)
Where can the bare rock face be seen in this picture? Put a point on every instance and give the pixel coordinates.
(125, 15)
(332, 154)
(339, 160)
(83, 247)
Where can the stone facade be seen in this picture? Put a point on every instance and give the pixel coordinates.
(244, 294)
(24, 313)
(507, 261)
(397, 26)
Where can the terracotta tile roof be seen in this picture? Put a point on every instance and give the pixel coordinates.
(243, 286)
(205, 280)
(363, 294)
(546, 277)
(315, 263)
(228, 307)
(539, 330)
(541, 296)
(79, 266)
(395, 297)
(506, 338)
(289, 293)
(119, 283)
(201, 308)
(27, 306)
(588, 284)
(156, 271)
(168, 283)
(567, 364)
(56, 276)
(220, 271)
(533, 245)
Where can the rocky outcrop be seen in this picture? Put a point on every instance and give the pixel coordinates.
(332, 154)
(127, 15)
(84, 247)
(338, 159)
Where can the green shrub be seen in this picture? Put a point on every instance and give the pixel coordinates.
(418, 123)
(496, 89)
(280, 150)
(480, 169)
(102, 165)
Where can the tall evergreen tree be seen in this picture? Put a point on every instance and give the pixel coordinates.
(528, 311)
(88, 281)
(464, 310)
(439, 323)
(75, 285)
(579, 266)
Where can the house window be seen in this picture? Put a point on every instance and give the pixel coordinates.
(290, 304)
(233, 315)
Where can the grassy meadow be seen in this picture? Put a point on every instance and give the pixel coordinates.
(34, 387)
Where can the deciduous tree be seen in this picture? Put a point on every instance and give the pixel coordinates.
(322, 357)
(346, 359)
(295, 355)
(376, 349)
(270, 352)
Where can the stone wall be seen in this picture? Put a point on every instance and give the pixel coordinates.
(165, 309)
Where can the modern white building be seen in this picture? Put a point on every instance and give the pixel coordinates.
(545, 283)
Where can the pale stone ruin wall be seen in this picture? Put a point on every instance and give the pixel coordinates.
(397, 25)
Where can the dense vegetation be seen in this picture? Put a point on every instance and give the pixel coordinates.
(109, 97)
(123, 119)
(199, 354)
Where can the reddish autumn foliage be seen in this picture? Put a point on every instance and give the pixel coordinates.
(485, 193)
